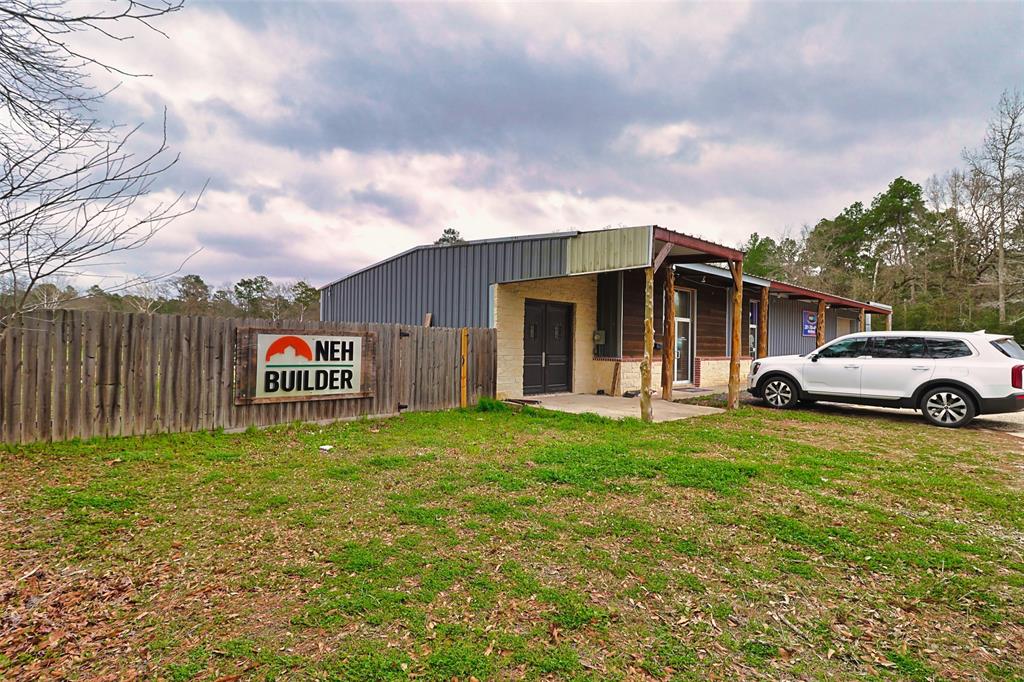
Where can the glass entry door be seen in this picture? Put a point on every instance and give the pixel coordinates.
(683, 372)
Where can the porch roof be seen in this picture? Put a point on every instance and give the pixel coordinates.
(804, 292)
(790, 290)
(675, 247)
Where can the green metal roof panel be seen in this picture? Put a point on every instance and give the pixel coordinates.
(604, 250)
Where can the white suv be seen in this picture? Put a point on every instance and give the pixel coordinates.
(949, 376)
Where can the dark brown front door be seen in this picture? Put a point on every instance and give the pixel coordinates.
(547, 347)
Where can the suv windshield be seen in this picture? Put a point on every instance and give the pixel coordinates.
(1009, 348)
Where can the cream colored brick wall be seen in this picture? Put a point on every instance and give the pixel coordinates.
(629, 375)
(509, 311)
(716, 372)
(589, 374)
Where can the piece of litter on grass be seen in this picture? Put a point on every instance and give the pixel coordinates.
(326, 448)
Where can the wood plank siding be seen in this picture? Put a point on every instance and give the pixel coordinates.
(712, 304)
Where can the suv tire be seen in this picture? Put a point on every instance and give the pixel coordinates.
(948, 406)
(780, 392)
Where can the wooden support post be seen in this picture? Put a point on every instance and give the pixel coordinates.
(819, 334)
(645, 365)
(464, 369)
(862, 321)
(888, 322)
(660, 258)
(762, 325)
(736, 268)
(668, 338)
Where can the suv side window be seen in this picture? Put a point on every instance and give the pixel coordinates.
(941, 349)
(850, 348)
(897, 347)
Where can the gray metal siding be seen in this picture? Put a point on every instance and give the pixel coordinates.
(451, 282)
(785, 321)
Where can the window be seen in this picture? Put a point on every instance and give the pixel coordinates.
(1009, 348)
(753, 318)
(848, 348)
(897, 347)
(941, 349)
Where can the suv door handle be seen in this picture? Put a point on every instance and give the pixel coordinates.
(851, 366)
(920, 369)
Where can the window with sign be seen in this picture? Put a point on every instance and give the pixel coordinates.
(753, 318)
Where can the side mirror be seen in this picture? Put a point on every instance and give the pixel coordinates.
(813, 357)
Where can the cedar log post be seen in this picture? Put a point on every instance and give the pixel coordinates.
(736, 268)
(668, 339)
(819, 331)
(862, 321)
(888, 322)
(762, 325)
(645, 365)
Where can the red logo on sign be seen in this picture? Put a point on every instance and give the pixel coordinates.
(300, 347)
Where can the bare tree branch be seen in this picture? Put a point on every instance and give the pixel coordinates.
(73, 192)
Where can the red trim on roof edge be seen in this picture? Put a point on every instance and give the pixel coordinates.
(785, 287)
(697, 244)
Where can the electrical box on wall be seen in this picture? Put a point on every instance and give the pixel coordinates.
(598, 337)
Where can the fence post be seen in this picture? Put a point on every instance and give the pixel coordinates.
(463, 398)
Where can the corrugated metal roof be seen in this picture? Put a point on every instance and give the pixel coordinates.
(605, 250)
(468, 242)
(451, 282)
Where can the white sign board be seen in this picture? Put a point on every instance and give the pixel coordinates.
(297, 366)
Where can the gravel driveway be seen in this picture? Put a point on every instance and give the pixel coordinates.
(1011, 423)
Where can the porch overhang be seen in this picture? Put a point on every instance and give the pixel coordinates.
(721, 273)
(683, 248)
(795, 291)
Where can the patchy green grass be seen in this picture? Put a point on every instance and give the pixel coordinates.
(494, 544)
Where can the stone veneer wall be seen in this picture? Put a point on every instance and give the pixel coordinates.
(707, 372)
(509, 311)
(715, 371)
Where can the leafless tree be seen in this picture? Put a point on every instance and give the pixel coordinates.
(148, 297)
(74, 192)
(1000, 160)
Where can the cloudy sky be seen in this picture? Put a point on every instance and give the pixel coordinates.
(333, 135)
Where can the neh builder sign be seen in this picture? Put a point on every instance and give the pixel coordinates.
(275, 365)
(288, 365)
(810, 323)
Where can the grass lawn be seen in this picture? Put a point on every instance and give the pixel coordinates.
(493, 544)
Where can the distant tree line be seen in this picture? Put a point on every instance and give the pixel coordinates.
(257, 296)
(76, 191)
(948, 254)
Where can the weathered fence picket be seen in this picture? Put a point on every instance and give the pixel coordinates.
(78, 374)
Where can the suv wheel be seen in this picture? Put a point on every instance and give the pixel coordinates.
(947, 406)
(780, 393)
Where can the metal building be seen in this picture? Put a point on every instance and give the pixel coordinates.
(569, 306)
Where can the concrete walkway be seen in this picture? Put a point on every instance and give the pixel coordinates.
(617, 408)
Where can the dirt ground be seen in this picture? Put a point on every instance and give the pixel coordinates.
(1011, 423)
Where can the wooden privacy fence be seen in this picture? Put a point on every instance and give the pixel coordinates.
(78, 374)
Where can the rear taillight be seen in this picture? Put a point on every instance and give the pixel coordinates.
(1017, 376)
